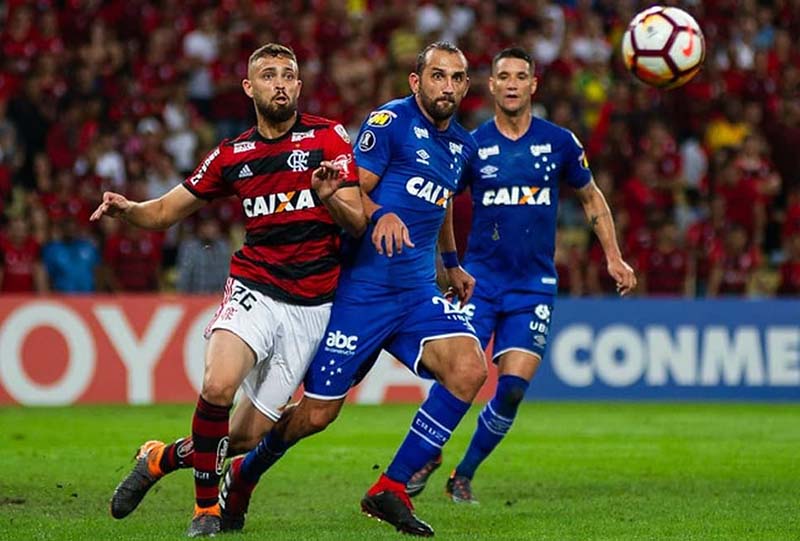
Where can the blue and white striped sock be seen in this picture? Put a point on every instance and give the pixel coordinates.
(494, 422)
(431, 428)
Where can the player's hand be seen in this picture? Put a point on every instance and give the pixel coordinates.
(327, 178)
(624, 276)
(461, 282)
(392, 234)
(113, 205)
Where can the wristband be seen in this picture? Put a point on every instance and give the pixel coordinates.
(450, 260)
(377, 215)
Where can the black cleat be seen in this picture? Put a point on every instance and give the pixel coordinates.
(206, 522)
(396, 509)
(234, 496)
(130, 492)
(417, 483)
(459, 488)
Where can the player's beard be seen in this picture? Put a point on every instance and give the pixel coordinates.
(276, 113)
(438, 109)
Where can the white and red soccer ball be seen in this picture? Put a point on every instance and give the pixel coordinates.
(663, 47)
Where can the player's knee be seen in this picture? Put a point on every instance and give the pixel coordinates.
(318, 419)
(468, 376)
(217, 392)
(241, 442)
(512, 397)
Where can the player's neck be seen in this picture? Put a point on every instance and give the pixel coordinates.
(273, 130)
(513, 126)
(441, 125)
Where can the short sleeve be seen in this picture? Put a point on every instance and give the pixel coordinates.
(468, 175)
(374, 147)
(206, 181)
(338, 150)
(576, 167)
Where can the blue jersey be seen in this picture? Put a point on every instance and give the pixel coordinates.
(515, 201)
(419, 169)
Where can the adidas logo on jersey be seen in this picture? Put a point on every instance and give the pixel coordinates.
(245, 172)
(264, 205)
(516, 195)
(429, 191)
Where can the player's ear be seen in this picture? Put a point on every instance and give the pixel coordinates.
(248, 87)
(413, 82)
(534, 85)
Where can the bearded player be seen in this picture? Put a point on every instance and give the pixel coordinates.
(515, 179)
(295, 176)
(411, 154)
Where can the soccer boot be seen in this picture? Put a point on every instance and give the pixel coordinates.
(145, 473)
(234, 496)
(206, 522)
(387, 500)
(459, 489)
(417, 483)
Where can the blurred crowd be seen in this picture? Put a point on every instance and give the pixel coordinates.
(704, 181)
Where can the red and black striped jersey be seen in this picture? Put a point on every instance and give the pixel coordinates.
(291, 248)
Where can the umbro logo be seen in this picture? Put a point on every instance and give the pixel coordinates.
(423, 156)
(245, 172)
(489, 171)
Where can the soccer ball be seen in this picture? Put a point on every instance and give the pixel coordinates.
(663, 47)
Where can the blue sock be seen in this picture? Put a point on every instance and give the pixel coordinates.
(431, 428)
(267, 452)
(494, 422)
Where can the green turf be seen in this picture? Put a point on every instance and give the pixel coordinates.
(567, 471)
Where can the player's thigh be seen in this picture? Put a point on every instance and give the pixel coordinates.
(228, 359)
(358, 328)
(247, 426)
(523, 364)
(522, 335)
(437, 340)
(241, 334)
(273, 381)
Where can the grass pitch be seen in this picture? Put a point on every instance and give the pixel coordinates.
(566, 471)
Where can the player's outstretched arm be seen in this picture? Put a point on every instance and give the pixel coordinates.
(344, 203)
(159, 213)
(390, 233)
(599, 216)
(457, 278)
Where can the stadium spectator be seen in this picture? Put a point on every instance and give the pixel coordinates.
(21, 269)
(667, 268)
(733, 263)
(132, 260)
(790, 269)
(203, 259)
(71, 259)
(68, 73)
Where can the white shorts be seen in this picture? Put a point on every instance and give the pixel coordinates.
(284, 338)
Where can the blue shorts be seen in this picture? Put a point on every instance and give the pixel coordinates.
(365, 321)
(519, 321)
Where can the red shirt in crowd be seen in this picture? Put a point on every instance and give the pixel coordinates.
(18, 264)
(790, 278)
(736, 269)
(134, 260)
(665, 271)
